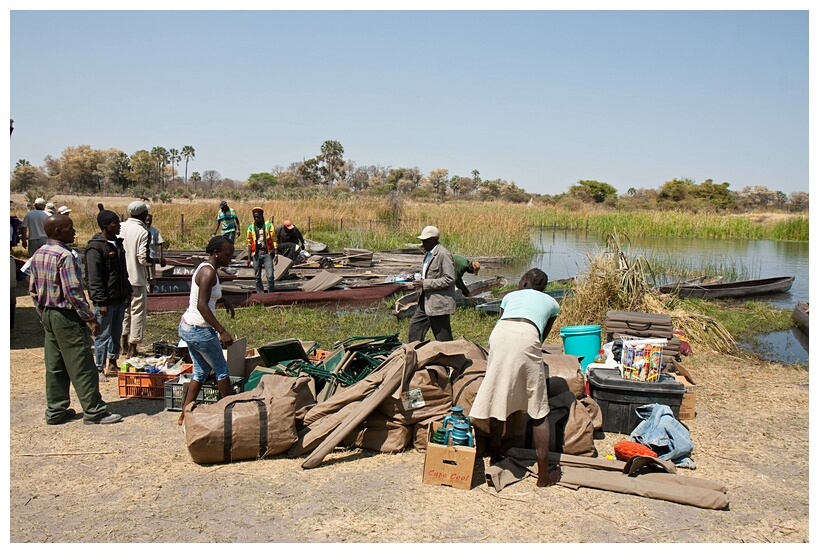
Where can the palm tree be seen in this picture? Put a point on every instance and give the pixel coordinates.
(195, 177)
(188, 153)
(21, 163)
(173, 155)
(160, 157)
(331, 152)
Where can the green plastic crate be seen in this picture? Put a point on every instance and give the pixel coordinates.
(175, 390)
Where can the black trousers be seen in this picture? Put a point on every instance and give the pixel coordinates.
(420, 323)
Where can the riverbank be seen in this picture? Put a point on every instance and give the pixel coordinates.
(750, 433)
(470, 227)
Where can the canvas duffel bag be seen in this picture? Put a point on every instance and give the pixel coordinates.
(637, 324)
(250, 425)
(380, 433)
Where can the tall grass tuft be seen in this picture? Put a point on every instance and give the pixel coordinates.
(617, 282)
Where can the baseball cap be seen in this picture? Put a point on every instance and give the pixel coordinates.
(138, 207)
(223, 203)
(287, 224)
(429, 232)
(40, 201)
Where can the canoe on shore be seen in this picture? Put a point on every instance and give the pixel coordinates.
(406, 305)
(738, 289)
(354, 295)
(800, 315)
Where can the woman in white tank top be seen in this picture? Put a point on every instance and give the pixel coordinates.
(199, 327)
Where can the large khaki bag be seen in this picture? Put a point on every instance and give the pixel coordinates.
(436, 390)
(563, 373)
(380, 433)
(250, 425)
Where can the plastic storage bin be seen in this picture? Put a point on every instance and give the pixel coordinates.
(618, 397)
(208, 394)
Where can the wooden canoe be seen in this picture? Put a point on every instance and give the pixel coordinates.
(493, 306)
(354, 295)
(800, 315)
(738, 289)
(406, 305)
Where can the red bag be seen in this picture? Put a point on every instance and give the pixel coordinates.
(626, 450)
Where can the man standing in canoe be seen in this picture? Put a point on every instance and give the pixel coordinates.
(227, 221)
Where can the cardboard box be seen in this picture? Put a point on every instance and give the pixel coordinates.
(448, 465)
(688, 408)
(235, 357)
(252, 360)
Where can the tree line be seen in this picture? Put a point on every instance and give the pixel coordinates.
(159, 173)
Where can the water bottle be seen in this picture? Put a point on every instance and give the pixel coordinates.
(600, 357)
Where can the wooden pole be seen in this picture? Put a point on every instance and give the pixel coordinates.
(182, 226)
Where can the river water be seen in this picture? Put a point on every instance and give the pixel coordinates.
(564, 254)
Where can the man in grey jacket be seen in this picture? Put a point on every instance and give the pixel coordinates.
(437, 290)
(134, 233)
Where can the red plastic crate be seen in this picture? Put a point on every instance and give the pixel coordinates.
(146, 385)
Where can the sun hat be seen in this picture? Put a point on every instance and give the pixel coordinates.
(137, 208)
(429, 232)
(287, 224)
(51, 207)
(63, 209)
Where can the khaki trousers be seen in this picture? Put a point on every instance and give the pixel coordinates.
(136, 315)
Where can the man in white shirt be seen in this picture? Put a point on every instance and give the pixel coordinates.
(32, 231)
(134, 234)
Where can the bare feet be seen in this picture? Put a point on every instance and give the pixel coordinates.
(551, 478)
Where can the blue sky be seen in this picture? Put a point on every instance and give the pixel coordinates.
(541, 98)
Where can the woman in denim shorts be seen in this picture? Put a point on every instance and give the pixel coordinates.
(200, 329)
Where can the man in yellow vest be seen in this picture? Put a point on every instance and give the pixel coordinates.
(261, 248)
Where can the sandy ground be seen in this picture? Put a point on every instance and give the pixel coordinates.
(135, 482)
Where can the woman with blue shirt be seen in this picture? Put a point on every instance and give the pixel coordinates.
(515, 375)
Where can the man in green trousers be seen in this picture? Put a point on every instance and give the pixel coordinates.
(56, 288)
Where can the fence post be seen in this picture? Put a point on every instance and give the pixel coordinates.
(341, 223)
(181, 226)
(308, 223)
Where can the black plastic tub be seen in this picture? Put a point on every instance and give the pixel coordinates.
(619, 398)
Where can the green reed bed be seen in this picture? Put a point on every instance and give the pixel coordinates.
(670, 223)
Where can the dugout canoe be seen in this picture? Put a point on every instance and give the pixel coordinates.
(738, 289)
(493, 306)
(354, 295)
(800, 315)
(406, 305)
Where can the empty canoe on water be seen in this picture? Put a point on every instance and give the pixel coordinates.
(738, 289)
(493, 306)
(800, 315)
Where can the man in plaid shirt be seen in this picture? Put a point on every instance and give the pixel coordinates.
(56, 288)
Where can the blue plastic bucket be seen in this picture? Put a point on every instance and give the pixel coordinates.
(583, 340)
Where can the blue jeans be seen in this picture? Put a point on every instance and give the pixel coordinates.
(267, 260)
(230, 235)
(206, 351)
(106, 343)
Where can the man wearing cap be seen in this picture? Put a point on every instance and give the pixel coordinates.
(437, 290)
(32, 232)
(57, 291)
(50, 208)
(63, 210)
(261, 248)
(463, 266)
(228, 220)
(134, 234)
(108, 289)
(289, 238)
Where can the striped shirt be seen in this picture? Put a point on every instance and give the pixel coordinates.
(56, 280)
